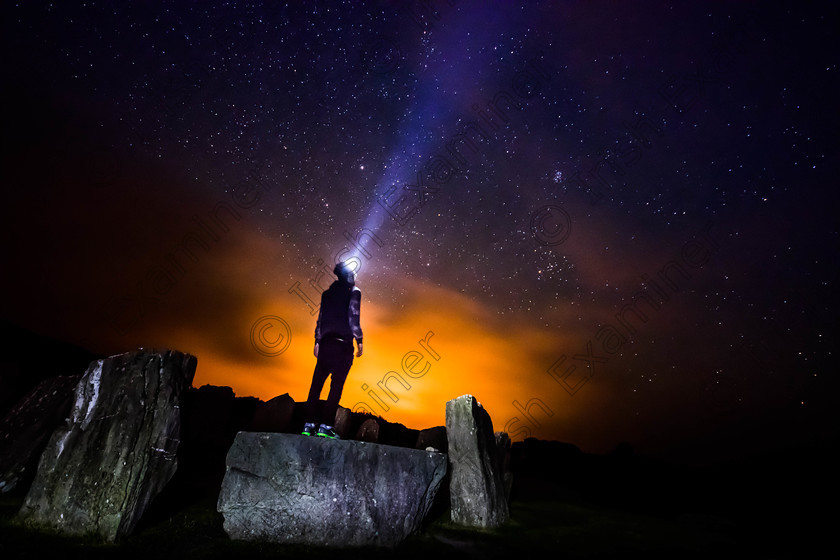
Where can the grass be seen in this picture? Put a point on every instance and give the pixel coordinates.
(575, 530)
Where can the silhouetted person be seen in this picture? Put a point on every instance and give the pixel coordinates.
(337, 326)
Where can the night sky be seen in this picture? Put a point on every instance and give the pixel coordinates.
(609, 221)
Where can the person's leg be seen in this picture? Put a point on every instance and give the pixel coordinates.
(312, 412)
(341, 367)
(319, 376)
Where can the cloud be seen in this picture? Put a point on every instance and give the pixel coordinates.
(461, 346)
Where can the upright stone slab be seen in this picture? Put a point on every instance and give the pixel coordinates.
(368, 431)
(117, 449)
(432, 437)
(476, 486)
(274, 415)
(310, 490)
(27, 428)
(503, 461)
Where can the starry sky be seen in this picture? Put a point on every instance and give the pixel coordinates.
(609, 221)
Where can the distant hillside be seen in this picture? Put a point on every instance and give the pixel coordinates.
(26, 358)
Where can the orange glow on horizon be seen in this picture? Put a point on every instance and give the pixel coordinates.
(461, 347)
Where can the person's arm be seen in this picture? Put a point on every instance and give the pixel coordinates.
(355, 319)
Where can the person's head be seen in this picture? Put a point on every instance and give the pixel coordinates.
(345, 273)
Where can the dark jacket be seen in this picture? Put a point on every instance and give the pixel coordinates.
(338, 316)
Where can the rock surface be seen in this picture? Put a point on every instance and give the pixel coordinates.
(117, 449)
(309, 490)
(343, 422)
(476, 485)
(25, 430)
(503, 444)
(274, 415)
(432, 437)
(207, 432)
(368, 431)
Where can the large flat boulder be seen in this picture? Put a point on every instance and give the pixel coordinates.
(476, 486)
(309, 490)
(116, 451)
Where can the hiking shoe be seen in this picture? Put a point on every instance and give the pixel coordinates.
(327, 432)
(308, 429)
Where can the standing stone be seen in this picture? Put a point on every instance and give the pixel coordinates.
(207, 417)
(25, 430)
(368, 431)
(476, 486)
(116, 451)
(207, 431)
(309, 490)
(343, 422)
(394, 433)
(503, 461)
(432, 437)
(274, 415)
